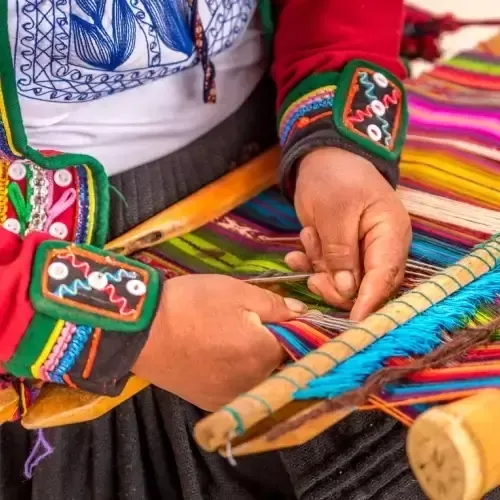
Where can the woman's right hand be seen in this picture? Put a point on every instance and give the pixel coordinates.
(208, 343)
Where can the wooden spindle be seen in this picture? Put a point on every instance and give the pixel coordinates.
(454, 449)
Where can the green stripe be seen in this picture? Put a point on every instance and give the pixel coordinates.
(476, 66)
(184, 246)
(31, 346)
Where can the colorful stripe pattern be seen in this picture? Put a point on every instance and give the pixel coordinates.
(313, 105)
(450, 183)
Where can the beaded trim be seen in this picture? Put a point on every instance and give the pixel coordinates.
(82, 226)
(309, 105)
(39, 187)
(57, 351)
(71, 349)
(4, 184)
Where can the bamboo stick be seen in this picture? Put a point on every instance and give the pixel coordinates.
(233, 420)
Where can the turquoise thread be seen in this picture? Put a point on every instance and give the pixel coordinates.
(306, 368)
(413, 308)
(240, 428)
(262, 401)
(388, 317)
(287, 379)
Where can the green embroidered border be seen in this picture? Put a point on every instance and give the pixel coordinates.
(31, 345)
(76, 315)
(344, 85)
(63, 160)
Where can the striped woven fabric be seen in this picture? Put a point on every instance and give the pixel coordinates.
(451, 186)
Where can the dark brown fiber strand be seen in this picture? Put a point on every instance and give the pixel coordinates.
(462, 341)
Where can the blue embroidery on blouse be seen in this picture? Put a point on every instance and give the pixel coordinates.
(82, 50)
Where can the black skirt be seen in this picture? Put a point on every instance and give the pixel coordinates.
(144, 450)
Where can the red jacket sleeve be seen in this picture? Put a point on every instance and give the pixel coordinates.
(337, 70)
(17, 312)
(324, 35)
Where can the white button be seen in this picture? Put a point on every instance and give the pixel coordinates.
(380, 80)
(378, 107)
(58, 230)
(374, 132)
(17, 171)
(136, 287)
(97, 281)
(12, 225)
(63, 178)
(58, 271)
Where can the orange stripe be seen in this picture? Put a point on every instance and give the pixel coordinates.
(96, 339)
(69, 382)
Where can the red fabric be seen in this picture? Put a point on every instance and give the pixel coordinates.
(313, 36)
(16, 257)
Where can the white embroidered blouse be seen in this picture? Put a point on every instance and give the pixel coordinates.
(120, 80)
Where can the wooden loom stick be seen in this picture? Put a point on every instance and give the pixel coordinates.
(203, 206)
(57, 405)
(273, 395)
(453, 450)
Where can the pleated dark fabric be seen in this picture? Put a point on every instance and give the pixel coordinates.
(144, 450)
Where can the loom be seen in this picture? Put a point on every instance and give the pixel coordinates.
(429, 358)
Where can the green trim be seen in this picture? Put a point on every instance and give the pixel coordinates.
(79, 316)
(20, 141)
(31, 345)
(267, 22)
(313, 82)
(343, 88)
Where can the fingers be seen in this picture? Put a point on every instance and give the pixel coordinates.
(340, 248)
(384, 261)
(322, 284)
(270, 307)
(298, 262)
(377, 287)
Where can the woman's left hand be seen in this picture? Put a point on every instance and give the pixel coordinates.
(356, 235)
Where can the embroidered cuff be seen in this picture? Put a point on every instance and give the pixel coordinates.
(93, 311)
(362, 109)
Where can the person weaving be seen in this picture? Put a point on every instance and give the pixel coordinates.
(163, 97)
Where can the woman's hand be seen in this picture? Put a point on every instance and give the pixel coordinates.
(356, 233)
(208, 343)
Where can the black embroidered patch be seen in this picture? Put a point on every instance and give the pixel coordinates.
(370, 109)
(89, 286)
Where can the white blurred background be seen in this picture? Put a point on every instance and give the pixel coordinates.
(466, 38)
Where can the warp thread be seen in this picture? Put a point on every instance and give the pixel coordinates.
(41, 450)
(452, 350)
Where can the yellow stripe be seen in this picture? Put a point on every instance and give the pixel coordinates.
(90, 185)
(35, 368)
(4, 184)
(5, 121)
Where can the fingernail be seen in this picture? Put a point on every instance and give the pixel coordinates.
(295, 305)
(313, 287)
(345, 284)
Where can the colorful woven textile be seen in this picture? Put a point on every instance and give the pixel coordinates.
(451, 186)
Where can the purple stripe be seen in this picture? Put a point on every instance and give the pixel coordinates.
(446, 109)
(422, 102)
